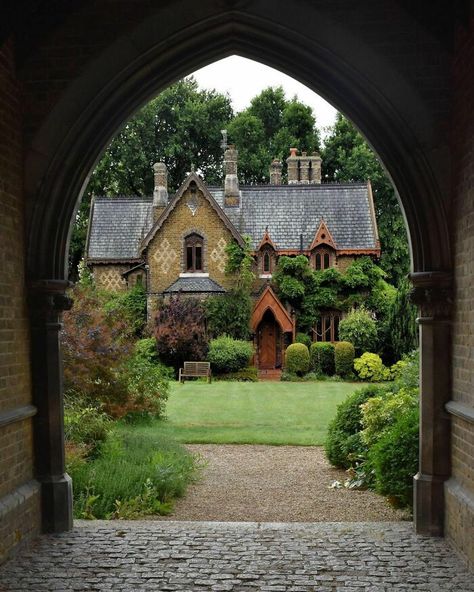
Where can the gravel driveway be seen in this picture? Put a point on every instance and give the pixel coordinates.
(275, 484)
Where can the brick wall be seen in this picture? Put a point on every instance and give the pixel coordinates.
(460, 489)
(16, 458)
(165, 254)
(109, 277)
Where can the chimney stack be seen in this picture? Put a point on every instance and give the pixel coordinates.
(315, 174)
(275, 172)
(303, 169)
(292, 162)
(160, 192)
(231, 183)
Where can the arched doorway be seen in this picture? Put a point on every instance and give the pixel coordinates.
(322, 53)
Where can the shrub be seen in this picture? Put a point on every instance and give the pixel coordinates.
(369, 367)
(229, 314)
(343, 443)
(146, 349)
(229, 355)
(297, 358)
(395, 459)
(181, 332)
(360, 329)
(130, 305)
(322, 357)
(249, 374)
(85, 426)
(303, 338)
(381, 412)
(344, 358)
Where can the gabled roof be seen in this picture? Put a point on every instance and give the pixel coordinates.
(266, 240)
(269, 301)
(117, 226)
(194, 285)
(293, 212)
(322, 237)
(192, 177)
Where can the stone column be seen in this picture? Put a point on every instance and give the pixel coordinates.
(432, 293)
(47, 300)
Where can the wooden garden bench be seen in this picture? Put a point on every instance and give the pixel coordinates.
(195, 369)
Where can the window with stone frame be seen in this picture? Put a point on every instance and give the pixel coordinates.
(323, 259)
(193, 253)
(267, 261)
(327, 326)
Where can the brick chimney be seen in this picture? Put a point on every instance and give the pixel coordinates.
(231, 183)
(304, 169)
(292, 162)
(315, 170)
(275, 172)
(160, 192)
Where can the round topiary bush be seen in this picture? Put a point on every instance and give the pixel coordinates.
(343, 442)
(344, 358)
(303, 338)
(322, 357)
(297, 358)
(395, 459)
(229, 355)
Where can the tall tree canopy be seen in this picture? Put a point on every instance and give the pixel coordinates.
(267, 129)
(347, 157)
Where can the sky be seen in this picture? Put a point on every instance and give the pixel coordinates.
(242, 79)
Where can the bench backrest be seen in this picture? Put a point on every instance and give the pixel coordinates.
(197, 368)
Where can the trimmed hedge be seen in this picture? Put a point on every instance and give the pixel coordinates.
(344, 358)
(229, 355)
(343, 442)
(322, 357)
(297, 358)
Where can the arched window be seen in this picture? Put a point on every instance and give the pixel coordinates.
(193, 252)
(267, 263)
(318, 261)
(322, 260)
(327, 327)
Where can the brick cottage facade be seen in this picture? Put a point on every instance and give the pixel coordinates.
(178, 245)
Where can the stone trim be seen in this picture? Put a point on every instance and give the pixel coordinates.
(17, 414)
(18, 497)
(465, 412)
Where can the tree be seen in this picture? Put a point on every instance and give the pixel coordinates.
(402, 331)
(267, 129)
(347, 157)
(181, 126)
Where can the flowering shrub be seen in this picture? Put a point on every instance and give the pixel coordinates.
(369, 367)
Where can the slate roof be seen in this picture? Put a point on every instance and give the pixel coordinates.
(118, 224)
(194, 284)
(293, 210)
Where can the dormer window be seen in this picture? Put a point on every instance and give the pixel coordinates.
(193, 250)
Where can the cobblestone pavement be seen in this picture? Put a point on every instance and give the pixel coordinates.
(240, 557)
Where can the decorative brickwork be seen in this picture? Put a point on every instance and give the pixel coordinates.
(166, 249)
(109, 277)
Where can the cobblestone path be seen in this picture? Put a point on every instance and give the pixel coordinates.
(239, 557)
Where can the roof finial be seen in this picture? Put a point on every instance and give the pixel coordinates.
(224, 140)
(193, 168)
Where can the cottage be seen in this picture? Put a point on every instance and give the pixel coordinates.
(178, 244)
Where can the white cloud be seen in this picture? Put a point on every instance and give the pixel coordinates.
(242, 79)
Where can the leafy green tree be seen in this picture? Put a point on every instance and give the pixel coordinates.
(181, 126)
(347, 157)
(267, 129)
(402, 330)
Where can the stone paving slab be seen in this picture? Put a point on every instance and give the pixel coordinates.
(237, 557)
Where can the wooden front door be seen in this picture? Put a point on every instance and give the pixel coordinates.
(267, 344)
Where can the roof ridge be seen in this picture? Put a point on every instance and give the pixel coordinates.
(123, 197)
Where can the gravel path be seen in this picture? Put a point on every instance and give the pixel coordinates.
(275, 484)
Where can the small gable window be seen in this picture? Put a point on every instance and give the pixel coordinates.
(193, 252)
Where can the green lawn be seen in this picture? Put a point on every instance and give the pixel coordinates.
(251, 413)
